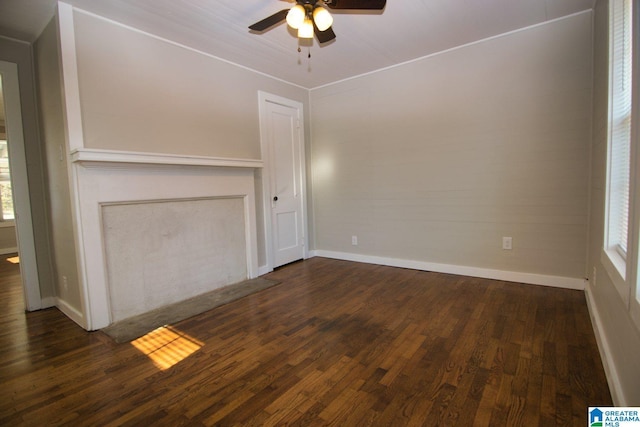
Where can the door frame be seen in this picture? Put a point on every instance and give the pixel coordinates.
(20, 186)
(263, 99)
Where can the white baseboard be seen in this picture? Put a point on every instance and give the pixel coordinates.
(48, 302)
(71, 312)
(264, 269)
(485, 273)
(613, 378)
(7, 251)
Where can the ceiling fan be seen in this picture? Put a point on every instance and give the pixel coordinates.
(309, 17)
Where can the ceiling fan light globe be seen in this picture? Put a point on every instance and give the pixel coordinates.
(322, 18)
(306, 29)
(296, 16)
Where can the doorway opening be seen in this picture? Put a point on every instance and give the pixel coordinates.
(8, 240)
(16, 227)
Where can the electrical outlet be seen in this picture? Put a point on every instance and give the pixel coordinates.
(593, 277)
(65, 285)
(507, 243)
(354, 240)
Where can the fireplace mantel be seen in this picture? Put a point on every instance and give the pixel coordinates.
(87, 156)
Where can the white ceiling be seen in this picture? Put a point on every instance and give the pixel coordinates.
(405, 30)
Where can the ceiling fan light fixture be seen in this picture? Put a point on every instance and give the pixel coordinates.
(311, 19)
(296, 16)
(322, 18)
(306, 29)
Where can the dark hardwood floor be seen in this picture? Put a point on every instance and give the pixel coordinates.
(336, 343)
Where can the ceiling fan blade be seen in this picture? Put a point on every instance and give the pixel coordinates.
(356, 4)
(324, 36)
(272, 20)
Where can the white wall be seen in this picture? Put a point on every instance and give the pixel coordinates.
(139, 93)
(436, 160)
(618, 338)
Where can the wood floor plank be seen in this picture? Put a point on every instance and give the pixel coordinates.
(335, 343)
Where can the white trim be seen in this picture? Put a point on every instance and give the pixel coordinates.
(486, 273)
(74, 139)
(7, 223)
(264, 269)
(266, 179)
(87, 155)
(462, 46)
(613, 378)
(7, 251)
(70, 312)
(69, 75)
(615, 267)
(14, 40)
(634, 206)
(48, 302)
(20, 184)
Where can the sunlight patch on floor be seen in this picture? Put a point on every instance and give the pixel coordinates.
(166, 346)
(14, 260)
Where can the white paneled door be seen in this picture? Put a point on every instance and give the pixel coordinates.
(283, 137)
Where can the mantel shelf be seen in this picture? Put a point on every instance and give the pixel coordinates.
(85, 155)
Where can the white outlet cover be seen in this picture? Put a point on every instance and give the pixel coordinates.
(507, 243)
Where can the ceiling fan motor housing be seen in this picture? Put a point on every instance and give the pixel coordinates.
(316, 19)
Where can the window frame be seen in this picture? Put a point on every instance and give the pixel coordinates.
(617, 262)
(4, 222)
(634, 288)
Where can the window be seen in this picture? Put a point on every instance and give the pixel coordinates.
(6, 197)
(620, 81)
(622, 241)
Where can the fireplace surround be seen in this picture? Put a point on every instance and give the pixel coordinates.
(160, 197)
